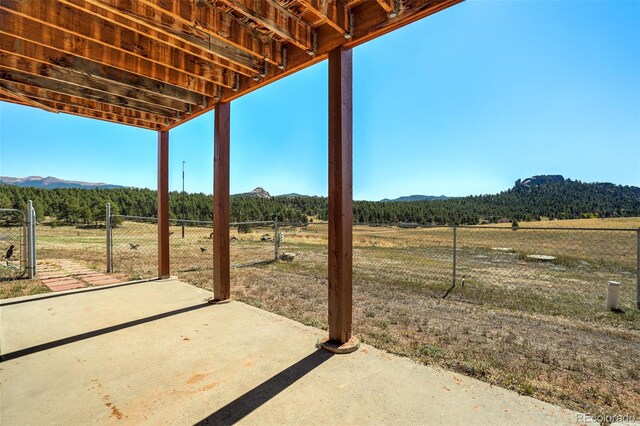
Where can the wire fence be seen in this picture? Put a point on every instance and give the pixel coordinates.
(549, 270)
(555, 271)
(13, 262)
(135, 248)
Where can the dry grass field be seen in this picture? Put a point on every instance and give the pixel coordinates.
(539, 328)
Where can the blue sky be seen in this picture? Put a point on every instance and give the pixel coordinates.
(463, 102)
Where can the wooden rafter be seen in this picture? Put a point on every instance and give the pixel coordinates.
(45, 36)
(24, 100)
(135, 15)
(43, 95)
(116, 116)
(63, 75)
(111, 37)
(388, 5)
(83, 67)
(220, 27)
(332, 12)
(274, 18)
(13, 79)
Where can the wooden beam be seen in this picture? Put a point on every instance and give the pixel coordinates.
(332, 12)
(164, 268)
(38, 13)
(134, 15)
(340, 213)
(25, 100)
(53, 72)
(60, 102)
(388, 6)
(24, 30)
(219, 26)
(10, 77)
(221, 141)
(83, 67)
(112, 117)
(274, 18)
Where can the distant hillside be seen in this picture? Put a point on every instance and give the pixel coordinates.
(553, 198)
(417, 198)
(51, 182)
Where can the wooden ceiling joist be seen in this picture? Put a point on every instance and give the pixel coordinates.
(79, 47)
(22, 99)
(151, 120)
(66, 103)
(273, 18)
(144, 20)
(10, 61)
(332, 12)
(83, 67)
(95, 31)
(18, 82)
(111, 117)
(158, 63)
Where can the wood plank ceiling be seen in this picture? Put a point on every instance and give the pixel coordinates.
(157, 63)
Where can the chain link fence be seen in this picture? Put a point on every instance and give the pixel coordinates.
(553, 271)
(134, 246)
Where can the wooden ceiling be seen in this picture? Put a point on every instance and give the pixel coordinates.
(157, 63)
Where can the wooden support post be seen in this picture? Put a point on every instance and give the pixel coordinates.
(340, 202)
(163, 204)
(221, 139)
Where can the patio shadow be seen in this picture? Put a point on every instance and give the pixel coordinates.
(244, 405)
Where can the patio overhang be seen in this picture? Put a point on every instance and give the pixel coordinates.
(155, 64)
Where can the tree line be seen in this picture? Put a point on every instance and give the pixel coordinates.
(565, 200)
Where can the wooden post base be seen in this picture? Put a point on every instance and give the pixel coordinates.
(214, 301)
(335, 347)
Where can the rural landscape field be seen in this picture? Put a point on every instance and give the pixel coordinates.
(538, 327)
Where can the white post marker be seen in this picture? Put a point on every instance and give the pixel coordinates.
(613, 292)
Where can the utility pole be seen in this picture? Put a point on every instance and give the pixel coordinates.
(183, 163)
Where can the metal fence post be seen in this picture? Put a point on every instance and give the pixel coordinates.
(454, 253)
(34, 239)
(30, 246)
(25, 243)
(108, 223)
(276, 238)
(638, 268)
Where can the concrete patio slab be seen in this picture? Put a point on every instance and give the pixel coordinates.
(157, 352)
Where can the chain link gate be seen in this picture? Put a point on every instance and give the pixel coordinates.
(17, 243)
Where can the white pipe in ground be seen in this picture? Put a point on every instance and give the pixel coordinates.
(613, 293)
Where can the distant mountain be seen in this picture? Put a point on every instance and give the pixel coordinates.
(51, 182)
(418, 198)
(259, 192)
